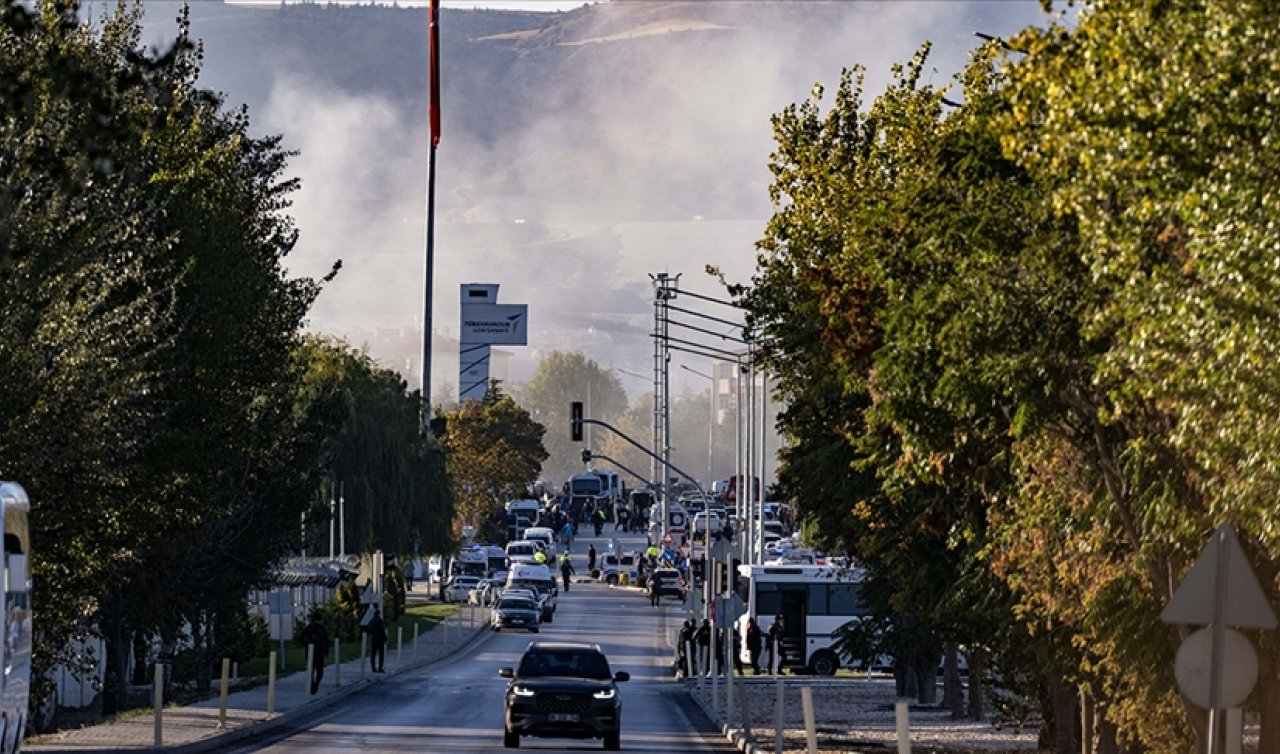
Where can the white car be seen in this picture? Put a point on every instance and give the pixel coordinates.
(459, 588)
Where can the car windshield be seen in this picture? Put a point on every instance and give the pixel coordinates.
(517, 604)
(573, 663)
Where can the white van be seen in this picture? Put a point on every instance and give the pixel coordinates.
(538, 577)
(545, 536)
(521, 551)
(527, 508)
(677, 522)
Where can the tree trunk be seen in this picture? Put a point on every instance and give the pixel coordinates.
(952, 687)
(1268, 696)
(1108, 734)
(115, 681)
(1065, 733)
(977, 666)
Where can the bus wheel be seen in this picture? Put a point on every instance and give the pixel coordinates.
(824, 662)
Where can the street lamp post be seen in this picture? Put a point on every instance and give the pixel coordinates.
(711, 418)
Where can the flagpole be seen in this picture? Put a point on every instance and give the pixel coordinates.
(433, 34)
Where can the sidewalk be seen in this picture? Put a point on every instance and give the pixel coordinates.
(195, 728)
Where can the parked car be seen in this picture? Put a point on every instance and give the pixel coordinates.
(516, 612)
(486, 592)
(562, 691)
(459, 587)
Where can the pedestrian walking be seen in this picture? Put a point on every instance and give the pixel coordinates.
(377, 631)
(566, 535)
(317, 637)
(755, 642)
(655, 589)
(591, 558)
(688, 632)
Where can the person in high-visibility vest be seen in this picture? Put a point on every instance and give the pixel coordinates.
(540, 557)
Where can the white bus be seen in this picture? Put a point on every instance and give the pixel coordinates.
(15, 683)
(813, 600)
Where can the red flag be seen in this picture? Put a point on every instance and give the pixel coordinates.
(434, 42)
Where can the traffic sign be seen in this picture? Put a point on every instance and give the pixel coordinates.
(1238, 669)
(1221, 565)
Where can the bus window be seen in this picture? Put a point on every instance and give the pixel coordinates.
(768, 601)
(818, 599)
(845, 599)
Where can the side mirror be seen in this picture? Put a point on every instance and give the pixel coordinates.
(621, 676)
(507, 672)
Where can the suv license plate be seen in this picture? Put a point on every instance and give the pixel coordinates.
(563, 718)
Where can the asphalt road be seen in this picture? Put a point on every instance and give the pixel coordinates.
(456, 706)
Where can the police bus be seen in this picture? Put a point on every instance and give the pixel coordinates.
(16, 680)
(813, 601)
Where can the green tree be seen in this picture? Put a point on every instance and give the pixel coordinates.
(1152, 125)
(562, 378)
(393, 479)
(495, 454)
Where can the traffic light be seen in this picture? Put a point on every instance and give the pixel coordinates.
(575, 421)
(586, 455)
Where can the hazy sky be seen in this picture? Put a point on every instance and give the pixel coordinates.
(691, 134)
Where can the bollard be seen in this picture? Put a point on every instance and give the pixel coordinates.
(222, 695)
(810, 727)
(415, 642)
(337, 663)
(311, 659)
(714, 680)
(399, 645)
(364, 649)
(779, 712)
(902, 713)
(159, 702)
(271, 684)
(746, 714)
(235, 672)
(1235, 730)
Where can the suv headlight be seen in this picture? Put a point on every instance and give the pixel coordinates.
(521, 691)
(605, 694)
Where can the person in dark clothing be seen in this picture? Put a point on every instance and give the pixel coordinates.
(377, 630)
(687, 634)
(566, 570)
(755, 642)
(591, 558)
(655, 589)
(776, 630)
(703, 639)
(317, 637)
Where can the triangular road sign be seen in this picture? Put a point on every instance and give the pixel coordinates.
(1245, 605)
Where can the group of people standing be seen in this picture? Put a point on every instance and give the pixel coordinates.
(757, 641)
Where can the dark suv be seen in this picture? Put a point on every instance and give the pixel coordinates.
(563, 691)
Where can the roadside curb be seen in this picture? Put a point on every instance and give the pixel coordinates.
(735, 735)
(281, 720)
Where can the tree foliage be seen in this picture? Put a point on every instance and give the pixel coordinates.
(562, 378)
(1027, 345)
(495, 455)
